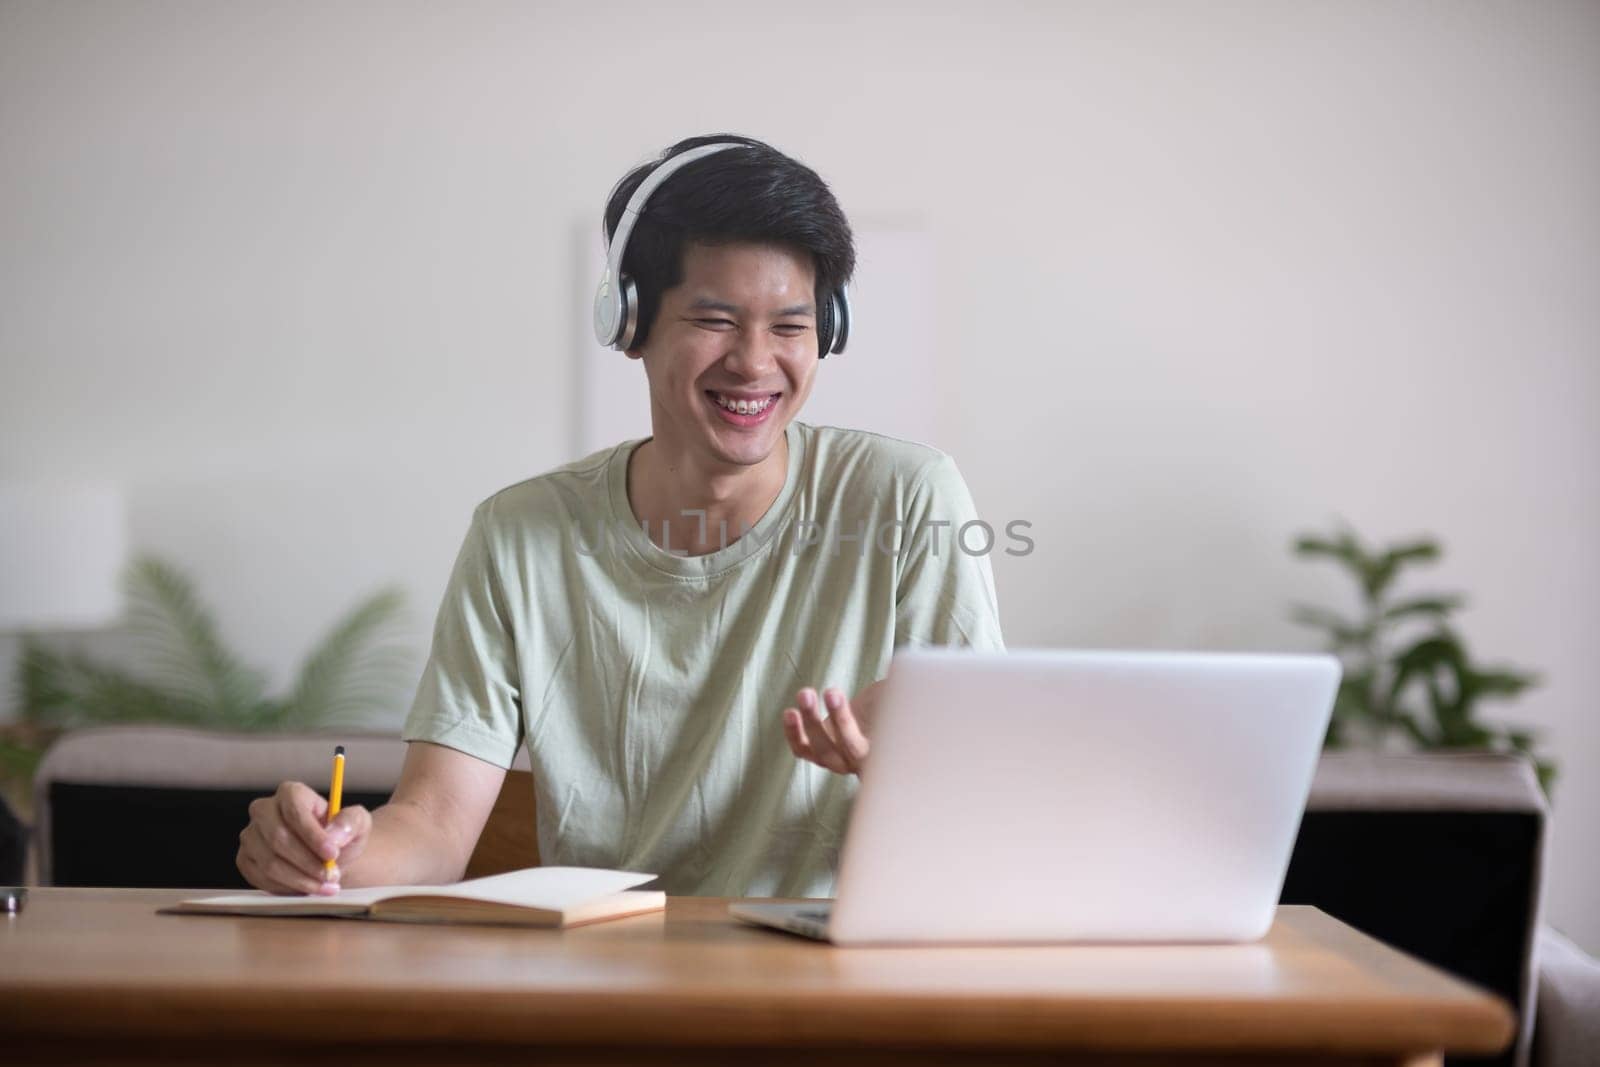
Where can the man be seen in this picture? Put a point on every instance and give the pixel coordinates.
(636, 618)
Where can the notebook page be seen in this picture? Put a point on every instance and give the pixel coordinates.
(343, 899)
(553, 888)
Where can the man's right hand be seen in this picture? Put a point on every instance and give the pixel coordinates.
(283, 848)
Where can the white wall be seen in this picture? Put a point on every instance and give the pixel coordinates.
(300, 277)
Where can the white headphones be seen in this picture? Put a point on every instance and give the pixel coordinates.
(616, 303)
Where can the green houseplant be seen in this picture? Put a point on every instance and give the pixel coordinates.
(1407, 670)
(188, 676)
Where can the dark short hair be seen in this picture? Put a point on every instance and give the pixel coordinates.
(756, 194)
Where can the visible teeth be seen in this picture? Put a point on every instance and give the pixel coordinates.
(744, 407)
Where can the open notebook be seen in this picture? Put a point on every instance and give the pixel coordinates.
(537, 896)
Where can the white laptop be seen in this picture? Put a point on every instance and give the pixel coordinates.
(1049, 796)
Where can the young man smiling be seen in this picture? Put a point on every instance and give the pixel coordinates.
(639, 618)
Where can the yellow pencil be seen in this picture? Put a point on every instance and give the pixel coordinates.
(335, 792)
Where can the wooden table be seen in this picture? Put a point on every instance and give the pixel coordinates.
(94, 975)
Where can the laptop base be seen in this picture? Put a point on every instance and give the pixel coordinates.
(806, 920)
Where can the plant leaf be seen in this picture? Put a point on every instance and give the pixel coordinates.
(1436, 606)
(182, 648)
(1380, 572)
(1500, 683)
(1383, 696)
(1546, 772)
(18, 760)
(355, 669)
(1427, 653)
(1342, 633)
(68, 691)
(1353, 699)
(1334, 738)
(1342, 547)
(1424, 549)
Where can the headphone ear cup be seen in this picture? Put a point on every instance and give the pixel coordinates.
(838, 319)
(605, 312)
(825, 325)
(628, 295)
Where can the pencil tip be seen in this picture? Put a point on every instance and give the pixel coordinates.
(338, 750)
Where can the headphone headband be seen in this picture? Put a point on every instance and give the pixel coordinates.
(652, 181)
(616, 303)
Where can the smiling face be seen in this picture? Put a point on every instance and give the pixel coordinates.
(732, 353)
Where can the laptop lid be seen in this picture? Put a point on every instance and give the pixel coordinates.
(1103, 796)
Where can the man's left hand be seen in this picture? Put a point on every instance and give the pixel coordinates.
(830, 730)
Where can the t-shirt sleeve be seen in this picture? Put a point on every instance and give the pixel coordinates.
(945, 594)
(469, 698)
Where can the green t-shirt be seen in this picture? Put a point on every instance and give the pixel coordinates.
(650, 687)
